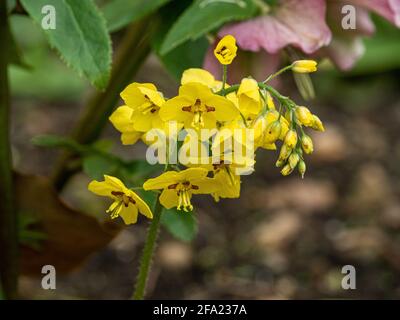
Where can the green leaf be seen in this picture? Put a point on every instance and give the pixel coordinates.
(96, 166)
(204, 16)
(80, 36)
(53, 141)
(120, 13)
(15, 54)
(182, 225)
(187, 55)
(11, 5)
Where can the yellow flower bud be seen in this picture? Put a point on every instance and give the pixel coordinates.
(307, 144)
(291, 139)
(317, 124)
(304, 116)
(279, 163)
(272, 132)
(284, 153)
(293, 160)
(226, 49)
(302, 168)
(304, 66)
(286, 170)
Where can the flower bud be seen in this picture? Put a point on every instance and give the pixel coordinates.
(272, 132)
(286, 170)
(317, 124)
(304, 116)
(307, 144)
(279, 163)
(304, 66)
(284, 153)
(291, 139)
(302, 168)
(293, 160)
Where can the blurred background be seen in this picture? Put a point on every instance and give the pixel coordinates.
(284, 238)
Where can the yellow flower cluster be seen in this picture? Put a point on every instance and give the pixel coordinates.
(244, 113)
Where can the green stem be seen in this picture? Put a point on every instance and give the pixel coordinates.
(8, 215)
(278, 73)
(133, 50)
(224, 75)
(148, 252)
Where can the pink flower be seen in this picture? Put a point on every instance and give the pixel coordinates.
(297, 23)
(313, 26)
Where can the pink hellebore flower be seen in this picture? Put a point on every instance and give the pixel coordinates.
(307, 26)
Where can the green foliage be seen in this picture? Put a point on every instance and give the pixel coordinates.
(97, 160)
(204, 16)
(28, 237)
(96, 166)
(382, 50)
(182, 225)
(120, 13)
(80, 36)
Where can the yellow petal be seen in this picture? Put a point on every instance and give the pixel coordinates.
(100, 188)
(129, 214)
(142, 205)
(143, 122)
(163, 181)
(122, 119)
(198, 75)
(195, 90)
(133, 96)
(225, 110)
(205, 185)
(130, 137)
(169, 198)
(172, 109)
(192, 174)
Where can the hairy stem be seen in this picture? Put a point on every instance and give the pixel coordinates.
(8, 214)
(148, 252)
(133, 50)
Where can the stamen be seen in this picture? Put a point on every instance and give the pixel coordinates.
(173, 186)
(188, 109)
(117, 193)
(209, 109)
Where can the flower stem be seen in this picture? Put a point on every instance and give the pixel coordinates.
(8, 214)
(224, 75)
(148, 252)
(278, 73)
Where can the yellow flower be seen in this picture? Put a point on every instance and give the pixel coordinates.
(228, 181)
(198, 107)
(307, 144)
(304, 66)
(140, 112)
(178, 187)
(249, 98)
(122, 119)
(226, 49)
(126, 203)
(291, 139)
(304, 116)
